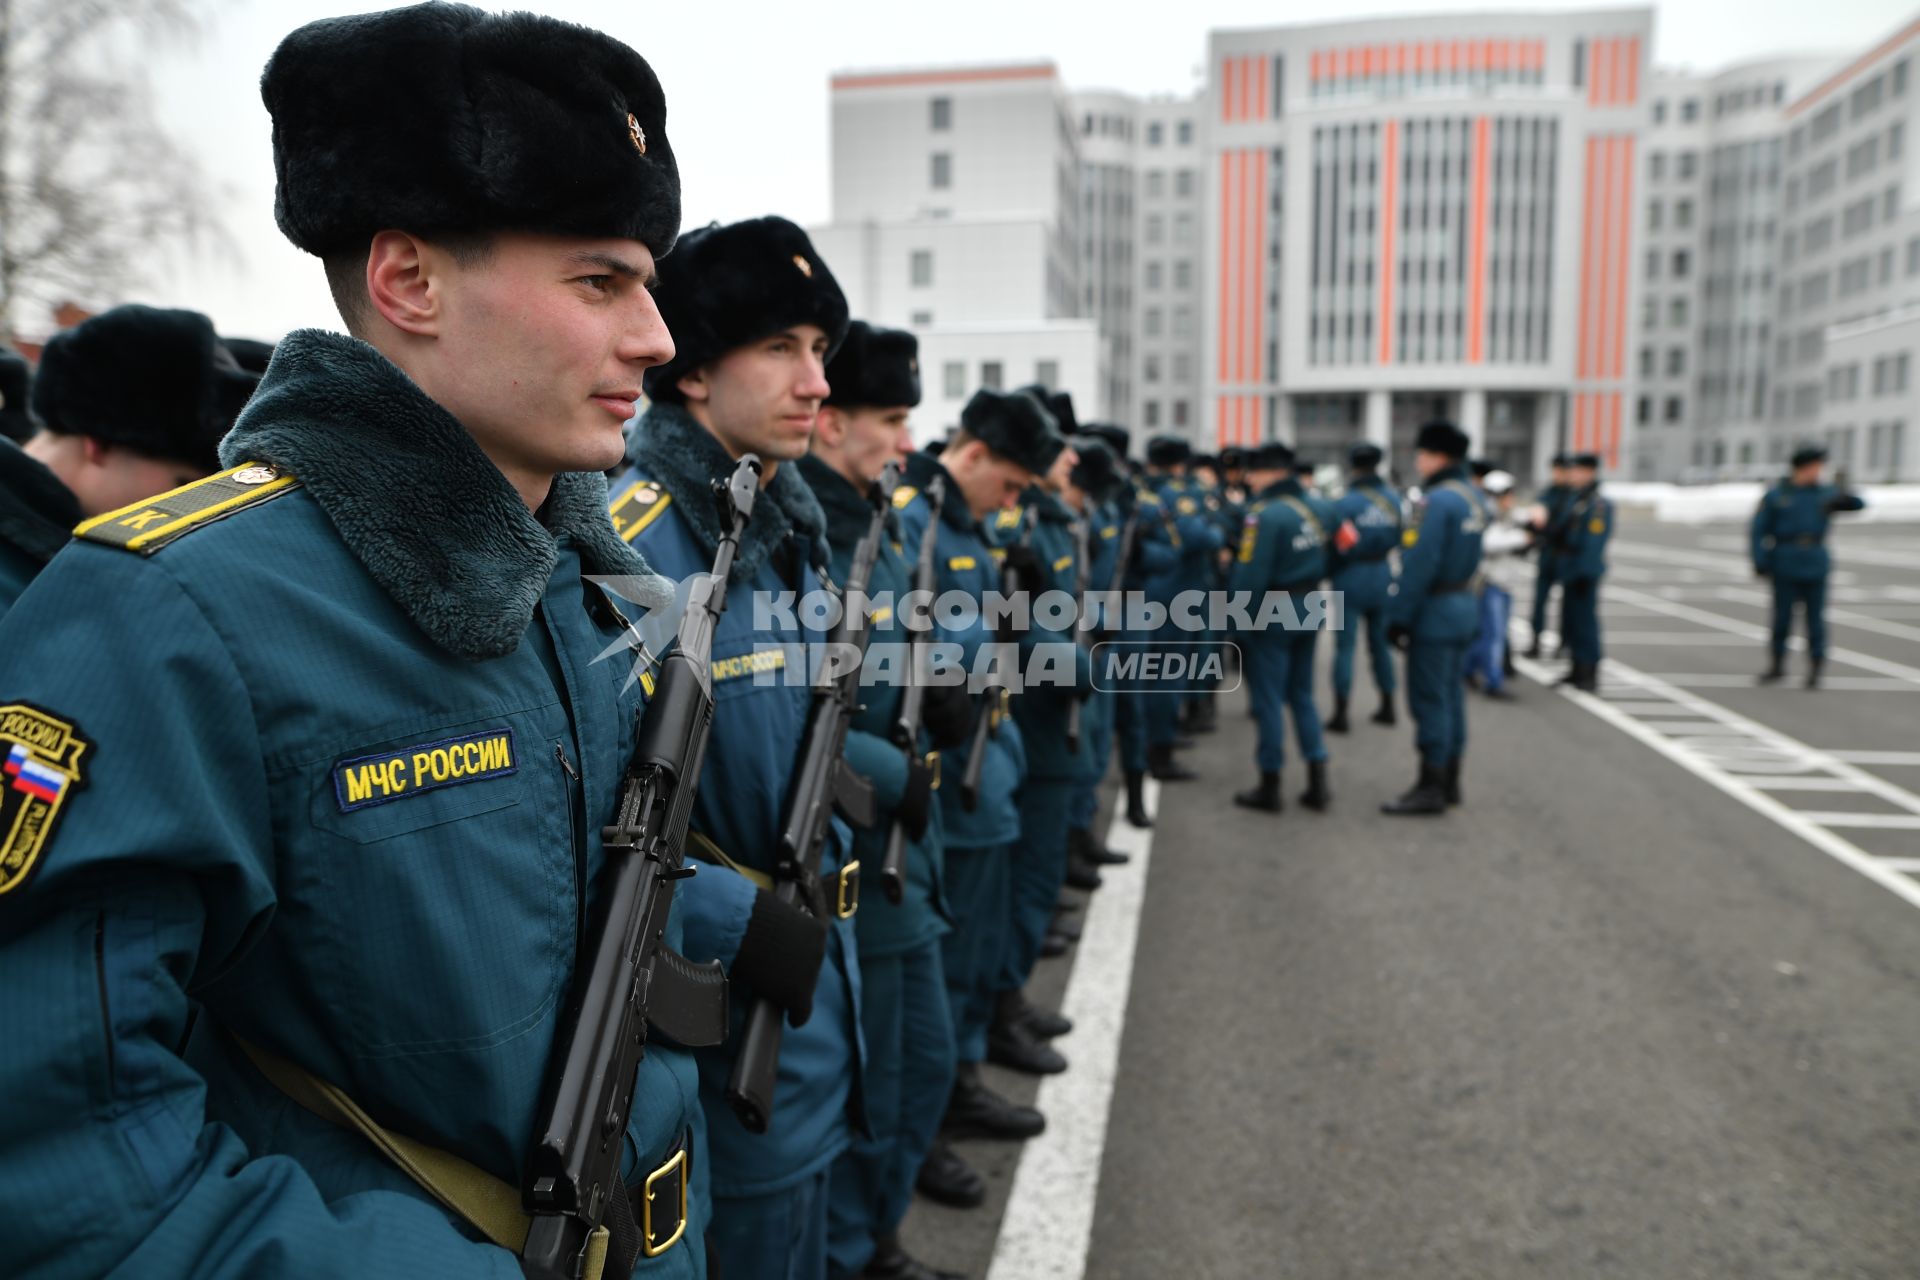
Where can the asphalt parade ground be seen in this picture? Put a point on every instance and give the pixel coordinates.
(1646, 1006)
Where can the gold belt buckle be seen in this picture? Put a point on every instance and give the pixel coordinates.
(932, 761)
(676, 1166)
(849, 891)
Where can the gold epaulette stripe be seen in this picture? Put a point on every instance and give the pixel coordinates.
(637, 508)
(145, 527)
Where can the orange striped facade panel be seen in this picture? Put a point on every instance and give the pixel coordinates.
(1613, 71)
(1425, 57)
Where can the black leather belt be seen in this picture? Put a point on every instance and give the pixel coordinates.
(659, 1203)
(1449, 588)
(1806, 540)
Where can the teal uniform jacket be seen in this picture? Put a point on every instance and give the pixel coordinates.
(37, 515)
(1053, 654)
(1197, 535)
(663, 505)
(1587, 524)
(1156, 545)
(1553, 500)
(1364, 572)
(964, 563)
(331, 764)
(1440, 556)
(1789, 531)
(1284, 541)
(921, 916)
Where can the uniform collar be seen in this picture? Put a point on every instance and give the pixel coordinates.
(954, 512)
(1283, 488)
(848, 512)
(671, 448)
(37, 512)
(1047, 506)
(413, 497)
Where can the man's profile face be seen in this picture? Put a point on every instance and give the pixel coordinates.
(987, 481)
(1427, 462)
(542, 345)
(1808, 473)
(765, 396)
(874, 437)
(1206, 476)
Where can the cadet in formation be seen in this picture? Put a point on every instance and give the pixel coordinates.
(363, 853)
(1432, 615)
(1182, 543)
(130, 403)
(1005, 441)
(756, 314)
(1789, 539)
(1283, 549)
(1363, 575)
(863, 426)
(1579, 537)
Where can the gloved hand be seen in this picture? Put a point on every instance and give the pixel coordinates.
(947, 713)
(780, 955)
(1022, 561)
(1580, 586)
(1399, 635)
(916, 802)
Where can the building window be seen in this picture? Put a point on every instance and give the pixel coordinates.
(940, 114)
(991, 375)
(1654, 212)
(1646, 362)
(1156, 184)
(920, 269)
(1683, 214)
(1183, 133)
(1156, 276)
(1047, 373)
(1150, 369)
(1179, 413)
(1653, 264)
(1153, 413)
(1899, 77)
(1183, 322)
(1579, 64)
(953, 379)
(1677, 313)
(1686, 164)
(1156, 228)
(1659, 117)
(1156, 134)
(1676, 362)
(1150, 321)
(942, 170)
(1183, 182)
(1643, 412)
(1656, 165)
(1890, 204)
(1183, 228)
(1682, 260)
(1182, 367)
(1183, 274)
(920, 320)
(1689, 110)
(1674, 408)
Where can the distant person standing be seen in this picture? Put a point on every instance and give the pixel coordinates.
(1487, 659)
(1579, 539)
(1363, 575)
(1550, 501)
(1790, 546)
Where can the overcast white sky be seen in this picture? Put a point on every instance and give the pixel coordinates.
(746, 88)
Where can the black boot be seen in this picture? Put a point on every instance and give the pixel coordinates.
(1813, 672)
(1081, 875)
(950, 1180)
(1011, 1042)
(1265, 796)
(1450, 783)
(1204, 719)
(1316, 797)
(1533, 650)
(891, 1262)
(1137, 815)
(1586, 677)
(1054, 944)
(1081, 844)
(1426, 796)
(1775, 672)
(1165, 768)
(1065, 926)
(1385, 714)
(975, 1111)
(1045, 1022)
(1337, 722)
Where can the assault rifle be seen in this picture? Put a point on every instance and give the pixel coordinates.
(1082, 578)
(630, 984)
(1011, 587)
(906, 729)
(821, 781)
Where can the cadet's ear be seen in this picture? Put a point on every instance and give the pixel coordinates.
(695, 386)
(830, 428)
(403, 283)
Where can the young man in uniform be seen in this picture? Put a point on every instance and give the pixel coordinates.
(1091, 493)
(1551, 501)
(133, 402)
(1789, 537)
(1432, 614)
(756, 315)
(1195, 536)
(875, 378)
(1363, 575)
(1004, 441)
(1580, 544)
(1283, 548)
(316, 752)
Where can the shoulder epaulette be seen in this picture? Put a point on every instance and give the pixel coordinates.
(145, 527)
(1009, 518)
(636, 507)
(904, 494)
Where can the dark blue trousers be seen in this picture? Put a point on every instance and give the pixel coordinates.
(1280, 675)
(979, 894)
(1437, 697)
(1810, 594)
(1379, 653)
(1581, 608)
(780, 1236)
(1038, 871)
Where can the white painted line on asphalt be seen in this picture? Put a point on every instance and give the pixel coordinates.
(1877, 757)
(1885, 821)
(1664, 638)
(1707, 770)
(1048, 1225)
(1804, 783)
(1835, 615)
(1833, 684)
(1908, 865)
(1753, 631)
(1739, 566)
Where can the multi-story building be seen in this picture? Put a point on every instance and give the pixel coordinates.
(956, 213)
(1849, 263)
(1710, 243)
(1426, 216)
